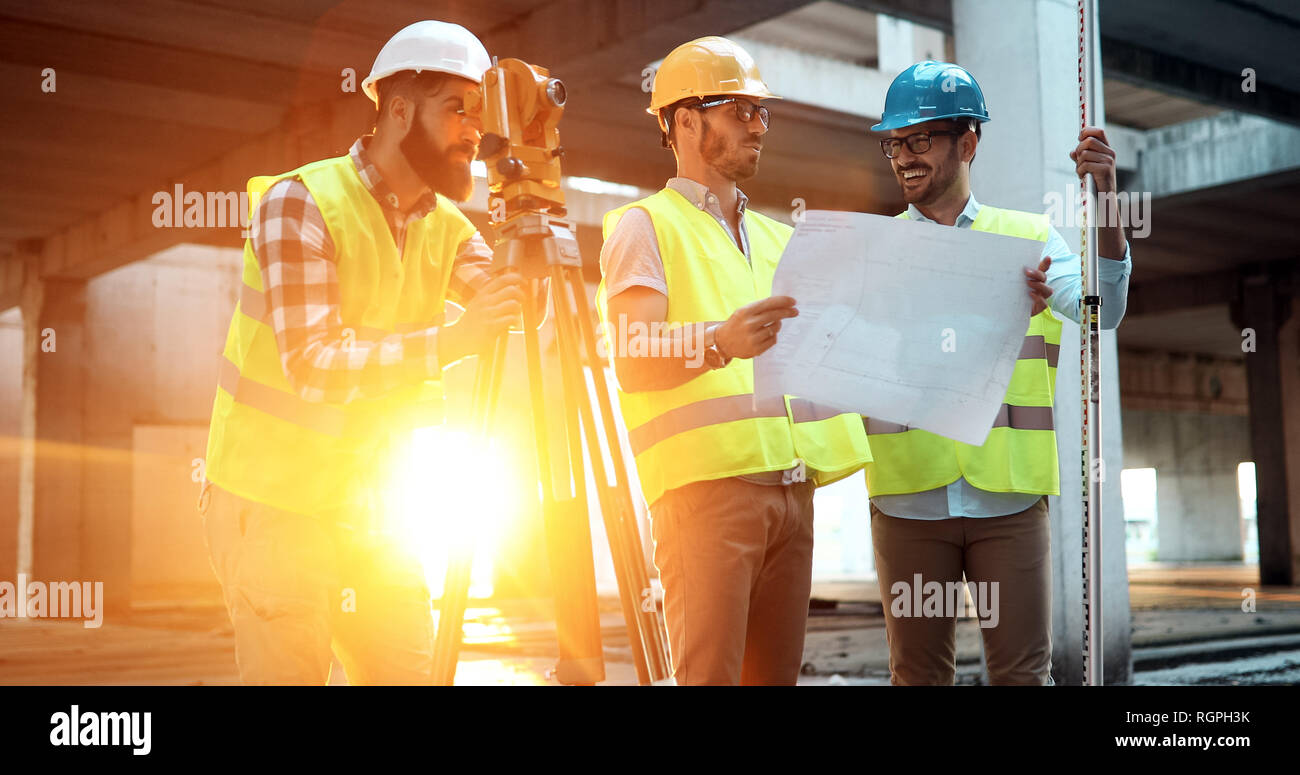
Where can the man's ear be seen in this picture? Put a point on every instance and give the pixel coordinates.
(968, 144)
(686, 120)
(401, 111)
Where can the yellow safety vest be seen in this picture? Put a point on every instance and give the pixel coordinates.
(709, 428)
(268, 445)
(1019, 454)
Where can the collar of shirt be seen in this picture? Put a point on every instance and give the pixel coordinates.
(374, 182)
(964, 219)
(699, 195)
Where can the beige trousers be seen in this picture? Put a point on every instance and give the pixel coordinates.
(735, 560)
(1012, 551)
(299, 588)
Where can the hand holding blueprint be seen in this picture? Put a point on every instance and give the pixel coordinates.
(911, 323)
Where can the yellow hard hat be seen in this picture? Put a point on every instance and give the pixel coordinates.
(706, 67)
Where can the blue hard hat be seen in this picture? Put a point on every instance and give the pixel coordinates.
(931, 90)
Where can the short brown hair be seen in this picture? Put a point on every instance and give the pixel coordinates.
(407, 84)
(667, 138)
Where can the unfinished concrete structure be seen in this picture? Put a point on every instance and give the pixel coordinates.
(111, 324)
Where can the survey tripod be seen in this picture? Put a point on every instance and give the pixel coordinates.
(520, 108)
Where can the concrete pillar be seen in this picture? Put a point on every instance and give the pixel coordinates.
(894, 44)
(900, 43)
(11, 405)
(1023, 52)
(1289, 371)
(31, 301)
(1264, 310)
(58, 335)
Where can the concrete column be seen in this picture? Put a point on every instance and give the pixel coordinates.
(1023, 53)
(55, 342)
(894, 45)
(1289, 369)
(30, 304)
(900, 44)
(11, 406)
(1265, 311)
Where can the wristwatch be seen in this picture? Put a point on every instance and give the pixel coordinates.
(714, 357)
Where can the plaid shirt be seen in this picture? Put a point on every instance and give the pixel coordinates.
(322, 360)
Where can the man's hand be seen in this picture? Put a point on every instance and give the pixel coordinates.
(489, 314)
(1094, 156)
(1039, 290)
(752, 329)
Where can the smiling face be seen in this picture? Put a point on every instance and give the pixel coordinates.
(925, 177)
(441, 141)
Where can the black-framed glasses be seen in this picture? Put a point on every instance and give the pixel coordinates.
(916, 143)
(744, 110)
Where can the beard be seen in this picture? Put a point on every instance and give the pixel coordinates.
(937, 180)
(436, 167)
(733, 162)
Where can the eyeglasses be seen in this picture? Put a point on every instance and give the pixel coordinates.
(744, 110)
(916, 143)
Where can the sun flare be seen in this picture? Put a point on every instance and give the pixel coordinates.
(448, 488)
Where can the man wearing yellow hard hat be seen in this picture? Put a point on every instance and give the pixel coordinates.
(941, 509)
(729, 483)
(335, 352)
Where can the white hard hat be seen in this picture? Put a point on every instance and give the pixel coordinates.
(438, 47)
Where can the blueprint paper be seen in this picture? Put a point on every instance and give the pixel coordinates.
(912, 323)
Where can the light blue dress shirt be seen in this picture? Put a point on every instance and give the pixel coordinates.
(961, 498)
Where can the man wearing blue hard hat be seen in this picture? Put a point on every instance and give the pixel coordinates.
(940, 508)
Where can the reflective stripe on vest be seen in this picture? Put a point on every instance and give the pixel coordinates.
(803, 410)
(1038, 347)
(321, 418)
(709, 428)
(1019, 454)
(710, 411)
(1025, 418)
(252, 303)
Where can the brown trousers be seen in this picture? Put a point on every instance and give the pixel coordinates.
(1013, 551)
(735, 560)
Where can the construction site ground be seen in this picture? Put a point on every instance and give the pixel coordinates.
(1176, 609)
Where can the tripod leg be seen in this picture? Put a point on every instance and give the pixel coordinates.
(651, 627)
(616, 504)
(492, 390)
(451, 618)
(568, 537)
(460, 563)
(575, 373)
(460, 560)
